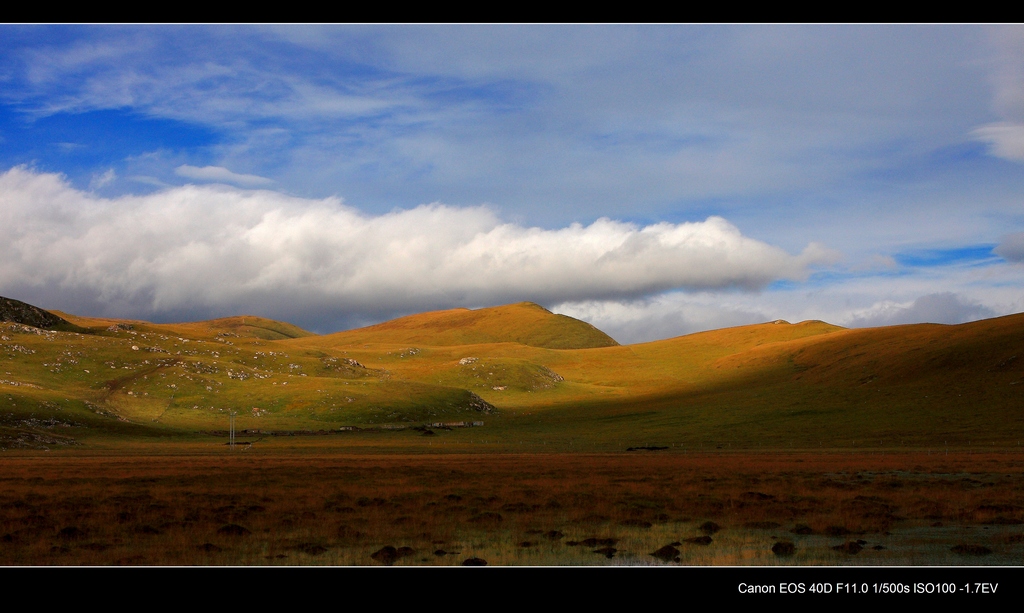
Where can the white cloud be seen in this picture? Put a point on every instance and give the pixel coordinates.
(102, 180)
(953, 294)
(222, 250)
(1011, 247)
(664, 316)
(941, 308)
(219, 174)
(1005, 140)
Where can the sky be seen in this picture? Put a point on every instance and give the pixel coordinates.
(654, 180)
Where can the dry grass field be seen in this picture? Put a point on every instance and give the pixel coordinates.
(306, 505)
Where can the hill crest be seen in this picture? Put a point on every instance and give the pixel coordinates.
(245, 326)
(526, 323)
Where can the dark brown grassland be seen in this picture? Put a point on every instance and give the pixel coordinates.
(312, 506)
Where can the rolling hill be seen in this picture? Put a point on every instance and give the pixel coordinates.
(542, 380)
(525, 323)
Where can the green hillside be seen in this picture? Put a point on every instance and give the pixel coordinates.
(245, 326)
(772, 385)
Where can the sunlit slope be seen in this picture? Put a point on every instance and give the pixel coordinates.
(987, 351)
(922, 385)
(534, 370)
(140, 378)
(97, 324)
(772, 385)
(525, 323)
(515, 375)
(681, 361)
(248, 326)
(961, 381)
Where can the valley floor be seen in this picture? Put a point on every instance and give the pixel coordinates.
(317, 503)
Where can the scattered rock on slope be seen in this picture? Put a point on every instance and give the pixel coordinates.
(19, 312)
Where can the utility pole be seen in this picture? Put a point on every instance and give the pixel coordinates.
(231, 431)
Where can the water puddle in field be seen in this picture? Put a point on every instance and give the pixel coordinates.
(922, 545)
(908, 546)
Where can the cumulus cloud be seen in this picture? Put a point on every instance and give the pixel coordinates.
(953, 295)
(664, 316)
(1005, 140)
(221, 250)
(1011, 247)
(219, 174)
(941, 308)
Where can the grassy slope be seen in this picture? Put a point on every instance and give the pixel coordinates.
(525, 323)
(248, 326)
(167, 379)
(768, 385)
(923, 385)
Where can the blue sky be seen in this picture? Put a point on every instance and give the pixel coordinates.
(654, 180)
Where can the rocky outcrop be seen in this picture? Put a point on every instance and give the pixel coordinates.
(479, 404)
(26, 314)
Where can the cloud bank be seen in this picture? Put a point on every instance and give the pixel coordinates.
(219, 174)
(664, 316)
(941, 308)
(1011, 247)
(220, 250)
(853, 304)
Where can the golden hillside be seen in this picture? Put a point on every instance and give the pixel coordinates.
(546, 377)
(525, 323)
